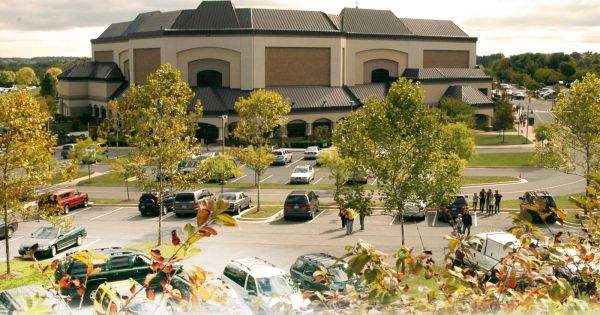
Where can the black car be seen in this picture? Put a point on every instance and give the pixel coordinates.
(116, 264)
(458, 206)
(50, 240)
(302, 272)
(12, 227)
(301, 204)
(16, 301)
(150, 201)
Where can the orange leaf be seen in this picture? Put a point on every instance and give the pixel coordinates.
(207, 231)
(174, 238)
(149, 277)
(80, 290)
(54, 264)
(156, 255)
(163, 283)
(202, 216)
(92, 270)
(154, 266)
(150, 294)
(168, 269)
(511, 281)
(132, 289)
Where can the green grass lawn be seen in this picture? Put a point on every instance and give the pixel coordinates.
(474, 180)
(23, 274)
(495, 139)
(79, 174)
(107, 180)
(35, 92)
(517, 159)
(265, 212)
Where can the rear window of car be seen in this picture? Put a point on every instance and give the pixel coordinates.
(296, 199)
(184, 197)
(67, 147)
(460, 200)
(147, 197)
(278, 153)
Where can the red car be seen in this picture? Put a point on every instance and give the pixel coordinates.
(65, 199)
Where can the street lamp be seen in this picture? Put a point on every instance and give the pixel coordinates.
(223, 120)
(352, 106)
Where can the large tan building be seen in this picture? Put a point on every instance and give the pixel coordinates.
(324, 63)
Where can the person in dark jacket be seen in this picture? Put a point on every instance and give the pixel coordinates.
(467, 222)
(497, 198)
(488, 201)
(481, 199)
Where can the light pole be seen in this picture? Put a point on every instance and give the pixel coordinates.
(223, 120)
(351, 106)
(527, 125)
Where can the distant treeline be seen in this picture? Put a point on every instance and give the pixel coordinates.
(39, 64)
(533, 70)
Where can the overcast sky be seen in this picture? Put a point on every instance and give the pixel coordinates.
(30, 28)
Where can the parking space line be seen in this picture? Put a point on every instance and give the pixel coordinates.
(235, 180)
(298, 160)
(393, 219)
(264, 179)
(374, 181)
(317, 181)
(102, 215)
(434, 219)
(12, 239)
(318, 215)
(89, 244)
(475, 215)
(79, 211)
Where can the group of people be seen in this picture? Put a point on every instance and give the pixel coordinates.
(462, 224)
(488, 201)
(348, 215)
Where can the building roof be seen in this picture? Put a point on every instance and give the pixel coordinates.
(222, 17)
(468, 94)
(423, 74)
(366, 91)
(93, 70)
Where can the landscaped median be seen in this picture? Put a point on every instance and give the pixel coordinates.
(488, 139)
(265, 213)
(513, 159)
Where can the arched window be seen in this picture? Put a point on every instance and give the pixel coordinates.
(380, 75)
(209, 78)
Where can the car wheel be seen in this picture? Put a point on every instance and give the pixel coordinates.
(92, 295)
(67, 209)
(85, 203)
(238, 210)
(10, 232)
(79, 240)
(178, 214)
(52, 251)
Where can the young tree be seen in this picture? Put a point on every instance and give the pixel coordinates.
(26, 76)
(339, 171)
(459, 139)
(219, 169)
(542, 133)
(457, 111)
(400, 141)
(7, 78)
(26, 151)
(125, 169)
(88, 151)
(260, 115)
(54, 71)
(321, 134)
(504, 117)
(48, 86)
(160, 120)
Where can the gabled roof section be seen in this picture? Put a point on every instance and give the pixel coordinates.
(93, 70)
(115, 30)
(424, 27)
(367, 21)
(468, 94)
(314, 97)
(445, 74)
(152, 21)
(366, 91)
(211, 15)
(291, 20)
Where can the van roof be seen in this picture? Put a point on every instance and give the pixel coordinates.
(499, 237)
(257, 267)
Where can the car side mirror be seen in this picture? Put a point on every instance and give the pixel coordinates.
(251, 293)
(520, 198)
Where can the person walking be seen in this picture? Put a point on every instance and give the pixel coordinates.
(497, 199)
(459, 224)
(350, 216)
(467, 222)
(361, 217)
(343, 217)
(488, 201)
(481, 199)
(475, 197)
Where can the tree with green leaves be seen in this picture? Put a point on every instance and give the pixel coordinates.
(542, 132)
(54, 71)
(7, 78)
(574, 137)
(339, 171)
(160, 120)
(49, 86)
(457, 111)
(460, 139)
(504, 118)
(400, 141)
(88, 151)
(261, 114)
(26, 152)
(26, 76)
(219, 169)
(321, 134)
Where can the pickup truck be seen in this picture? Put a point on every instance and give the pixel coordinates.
(64, 200)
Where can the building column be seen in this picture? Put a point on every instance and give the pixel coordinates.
(220, 138)
(309, 129)
(333, 123)
(489, 121)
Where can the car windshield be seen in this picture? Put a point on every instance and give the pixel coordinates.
(276, 285)
(301, 170)
(228, 197)
(45, 233)
(549, 201)
(338, 273)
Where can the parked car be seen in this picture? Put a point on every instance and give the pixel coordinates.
(414, 211)
(548, 95)
(67, 150)
(303, 174)
(64, 200)
(518, 95)
(301, 203)
(16, 301)
(543, 91)
(225, 301)
(189, 166)
(12, 224)
(458, 206)
(311, 153)
(266, 287)
(95, 151)
(119, 264)
(508, 92)
(541, 206)
(150, 201)
(188, 202)
(237, 201)
(359, 177)
(282, 156)
(302, 272)
(117, 297)
(50, 240)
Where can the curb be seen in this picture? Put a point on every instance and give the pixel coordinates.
(257, 220)
(520, 181)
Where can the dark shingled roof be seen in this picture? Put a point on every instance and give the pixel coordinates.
(222, 17)
(444, 73)
(93, 70)
(366, 91)
(468, 94)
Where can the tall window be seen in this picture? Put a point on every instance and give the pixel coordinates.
(380, 75)
(209, 78)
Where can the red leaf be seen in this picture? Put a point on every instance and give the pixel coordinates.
(156, 255)
(207, 231)
(163, 283)
(150, 294)
(81, 290)
(64, 282)
(174, 238)
(154, 266)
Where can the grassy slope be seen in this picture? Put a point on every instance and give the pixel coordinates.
(494, 139)
(521, 159)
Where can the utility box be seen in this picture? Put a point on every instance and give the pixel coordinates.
(531, 121)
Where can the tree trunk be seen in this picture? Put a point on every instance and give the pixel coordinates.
(258, 193)
(503, 133)
(6, 241)
(89, 173)
(160, 206)
(127, 187)
(588, 157)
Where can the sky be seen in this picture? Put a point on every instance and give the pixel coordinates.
(30, 28)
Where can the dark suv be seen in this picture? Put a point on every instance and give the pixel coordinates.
(150, 201)
(12, 226)
(303, 269)
(301, 203)
(540, 204)
(121, 264)
(458, 206)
